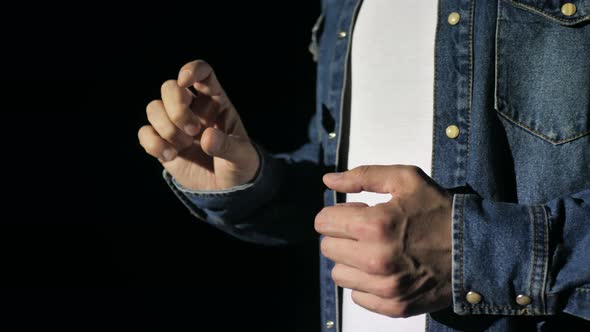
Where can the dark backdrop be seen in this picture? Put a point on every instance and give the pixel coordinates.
(91, 236)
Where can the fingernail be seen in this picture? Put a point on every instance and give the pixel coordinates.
(168, 154)
(184, 75)
(333, 176)
(191, 129)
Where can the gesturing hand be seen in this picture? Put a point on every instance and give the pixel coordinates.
(199, 139)
(395, 256)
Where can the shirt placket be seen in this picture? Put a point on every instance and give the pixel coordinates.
(452, 92)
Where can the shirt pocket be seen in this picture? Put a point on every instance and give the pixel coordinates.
(543, 67)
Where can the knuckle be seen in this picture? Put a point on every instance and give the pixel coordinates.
(176, 114)
(336, 274)
(151, 146)
(361, 230)
(399, 310)
(411, 171)
(319, 221)
(167, 86)
(168, 132)
(153, 106)
(325, 246)
(375, 265)
(361, 171)
(379, 264)
(382, 223)
(142, 132)
(388, 289)
(356, 299)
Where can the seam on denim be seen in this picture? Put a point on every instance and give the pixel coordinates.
(457, 251)
(497, 310)
(551, 17)
(461, 225)
(455, 283)
(539, 268)
(497, 56)
(538, 134)
(470, 87)
(535, 244)
(545, 269)
(434, 90)
(488, 306)
(427, 327)
(333, 63)
(582, 290)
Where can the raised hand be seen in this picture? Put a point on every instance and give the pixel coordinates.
(200, 138)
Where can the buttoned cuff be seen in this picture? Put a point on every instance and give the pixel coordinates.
(500, 257)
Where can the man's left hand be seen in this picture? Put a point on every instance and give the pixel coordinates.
(395, 256)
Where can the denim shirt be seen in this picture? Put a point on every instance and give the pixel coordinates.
(514, 77)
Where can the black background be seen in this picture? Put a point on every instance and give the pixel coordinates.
(92, 238)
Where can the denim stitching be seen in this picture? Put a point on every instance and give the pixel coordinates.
(496, 53)
(583, 290)
(488, 306)
(461, 265)
(457, 252)
(497, 310)
(434, 90)
(538, 134)
(498, 100)
(546, 15)
(534, 260)
(545, 261)
(470, 87)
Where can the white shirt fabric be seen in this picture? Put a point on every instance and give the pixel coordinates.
(391, 120)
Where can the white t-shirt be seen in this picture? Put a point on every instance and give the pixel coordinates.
(391, 112)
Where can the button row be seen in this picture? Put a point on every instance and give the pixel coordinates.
(475, 298)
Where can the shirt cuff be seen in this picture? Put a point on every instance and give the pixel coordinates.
(221, 207)
(500, 257)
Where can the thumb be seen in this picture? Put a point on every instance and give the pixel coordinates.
(374, 178)
(232, 148)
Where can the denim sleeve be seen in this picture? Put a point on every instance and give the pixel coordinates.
(276, 208)
(538, 253)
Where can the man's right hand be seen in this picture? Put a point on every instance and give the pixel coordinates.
(199, 139)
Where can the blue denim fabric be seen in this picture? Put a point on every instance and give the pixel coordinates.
(514, 76)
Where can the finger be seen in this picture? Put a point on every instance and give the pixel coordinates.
(201, 76)
(165, 128)
(155, 145)
(387, 307)
(343, 221)
(207, 110)
(356, 279)
(344, 251)
(378, 179)
(353, 204)
(234, 149)
(177, 103)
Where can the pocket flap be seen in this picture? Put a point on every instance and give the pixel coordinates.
(552, 9)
